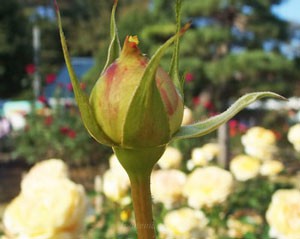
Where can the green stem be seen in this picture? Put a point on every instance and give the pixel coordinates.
(116, 224)
(142, 205)
(138, 164)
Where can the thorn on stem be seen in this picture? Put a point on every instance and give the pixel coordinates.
(185, 27)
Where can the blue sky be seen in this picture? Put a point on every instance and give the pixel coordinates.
(289, 10)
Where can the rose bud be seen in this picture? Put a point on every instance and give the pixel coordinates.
(130, 115)
(135, 105)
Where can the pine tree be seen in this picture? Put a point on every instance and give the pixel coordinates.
(14, 48)
(234, 46)
(237, 43)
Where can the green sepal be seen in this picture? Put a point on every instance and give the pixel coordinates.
(140, 124)
(211, 124)
(82, 100)
(114, 48)
(139, 162)
(146, 123)
(150, 72)
(174, 69)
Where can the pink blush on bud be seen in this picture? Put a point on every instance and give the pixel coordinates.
(168, 104)
(110, 73)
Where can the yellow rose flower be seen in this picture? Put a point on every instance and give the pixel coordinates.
(50, 168)
(117, 169)
(171, 158)
(202, 155)
(115, 187)
(271, 168)
(198, 159)
(244, 167)
(293, 136)
(185, 223)
(166, 186)
(116, 182)
(42, 172)
(264, 136)
(187, 116)
(283, 214)
(260, 143)
(50, 208)
(212, 150)
(207, 186)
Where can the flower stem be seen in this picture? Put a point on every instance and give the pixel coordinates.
(142, 204)
(116, 224)
(138, 164)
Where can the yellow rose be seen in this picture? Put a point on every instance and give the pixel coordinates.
(212, 150)
(51, 208)
(198, 159)
(185, 223)
(260, 143)
(166, 186)
(244, 167)
(187, 116)
(207, 186)
(171, 158)
(54, 168)
(117, 169)
(202, 155)
(271, 167)
(115, 187)
(116, 182)
(256, 135)
(293, 136)
(283, 214)
(42, 172)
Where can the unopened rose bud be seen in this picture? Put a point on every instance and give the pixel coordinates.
(130, 116)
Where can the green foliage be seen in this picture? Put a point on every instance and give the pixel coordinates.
(15, 52)
(200, 8)
(91, 18)
(50, 57)
(212, 35)
(249, 197)
(157, 33)
(108, 224)
(207, 51)
(57, 135)
(244, 70)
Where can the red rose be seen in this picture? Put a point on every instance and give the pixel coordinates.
(30, 69)
(50, 78)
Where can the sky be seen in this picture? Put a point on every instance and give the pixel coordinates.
(289, 10)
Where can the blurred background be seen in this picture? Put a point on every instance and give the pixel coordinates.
(233, 47)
